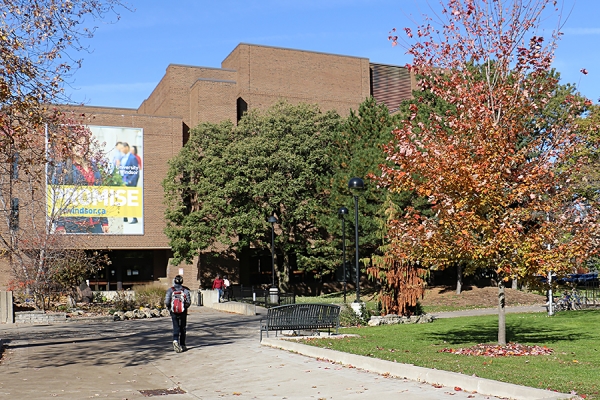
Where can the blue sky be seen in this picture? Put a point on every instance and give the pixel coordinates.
(127, 58)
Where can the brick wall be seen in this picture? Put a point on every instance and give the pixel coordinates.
(171, 95)
(212, 101)
(268, 74)
(261, 75)
(5, 273)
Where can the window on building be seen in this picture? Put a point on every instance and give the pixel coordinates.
(242, 108)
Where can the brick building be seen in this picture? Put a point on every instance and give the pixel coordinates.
(250, 77)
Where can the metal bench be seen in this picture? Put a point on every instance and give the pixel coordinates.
(293, 317)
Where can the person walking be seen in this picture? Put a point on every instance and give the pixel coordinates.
(178, 300)
(219, 285)
(226, 288)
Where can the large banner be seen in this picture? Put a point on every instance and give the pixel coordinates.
(97, 185)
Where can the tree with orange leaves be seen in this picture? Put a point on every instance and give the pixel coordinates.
(492, 169)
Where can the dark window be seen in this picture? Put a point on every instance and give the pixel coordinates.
(242, 108)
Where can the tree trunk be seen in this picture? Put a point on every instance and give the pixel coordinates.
(515, 283)
(459, 279)
(501, 313)
(284, 279)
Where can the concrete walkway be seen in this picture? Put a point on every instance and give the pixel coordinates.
(490, 311)
(117, 360)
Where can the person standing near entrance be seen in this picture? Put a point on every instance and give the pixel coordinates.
(219, 285)
(178, 300)
(226, 288)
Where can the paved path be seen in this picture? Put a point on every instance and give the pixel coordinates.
(116, 360)
(489, 311)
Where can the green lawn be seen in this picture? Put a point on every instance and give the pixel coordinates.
(338, 298)
(371, 304)
(574, 336)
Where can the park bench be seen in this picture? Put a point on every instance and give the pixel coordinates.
(294, 317)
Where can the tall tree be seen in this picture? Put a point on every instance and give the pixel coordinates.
(41, 255)
(357, 151)
(587, 177)
(228, 180)
(492, 176)
(38, 41)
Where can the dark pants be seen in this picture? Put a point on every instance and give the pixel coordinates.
(179, 330)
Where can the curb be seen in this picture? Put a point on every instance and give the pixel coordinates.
(420, 374)
(233, 307)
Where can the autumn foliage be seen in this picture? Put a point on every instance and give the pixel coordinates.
(404, 284)
(39, 41)
(492, 168)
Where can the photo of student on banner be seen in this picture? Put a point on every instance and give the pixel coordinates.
(129, 169)
(78, 171)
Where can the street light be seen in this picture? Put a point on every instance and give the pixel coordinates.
(550, 299)
(356, 184)
(342, 212)
(273, 291)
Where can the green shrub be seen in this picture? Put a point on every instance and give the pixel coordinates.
(348, 317)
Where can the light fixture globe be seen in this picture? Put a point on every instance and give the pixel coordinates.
(343, 211)
(356, 183)
(272, 219)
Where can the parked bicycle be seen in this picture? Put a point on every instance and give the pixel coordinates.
(569, 301)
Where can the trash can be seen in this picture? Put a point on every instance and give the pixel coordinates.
(273, 295)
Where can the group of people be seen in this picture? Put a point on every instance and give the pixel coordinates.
(223, 287)
(178, 292)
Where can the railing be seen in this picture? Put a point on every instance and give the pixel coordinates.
(260, 296)
(590, 292)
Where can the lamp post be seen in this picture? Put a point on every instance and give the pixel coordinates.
(550, 299)
(273, 291)
(354, 185)
(342, 212)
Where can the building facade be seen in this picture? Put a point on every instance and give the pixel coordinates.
(251, 77)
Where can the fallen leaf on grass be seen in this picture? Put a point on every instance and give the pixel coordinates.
(511, 349)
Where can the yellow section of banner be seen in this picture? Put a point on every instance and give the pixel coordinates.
(94, 201)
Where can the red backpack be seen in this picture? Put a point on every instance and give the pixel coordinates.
(178, 301)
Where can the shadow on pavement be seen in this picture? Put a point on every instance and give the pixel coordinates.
(128, 343)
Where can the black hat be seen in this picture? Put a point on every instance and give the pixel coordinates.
(178, 280)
